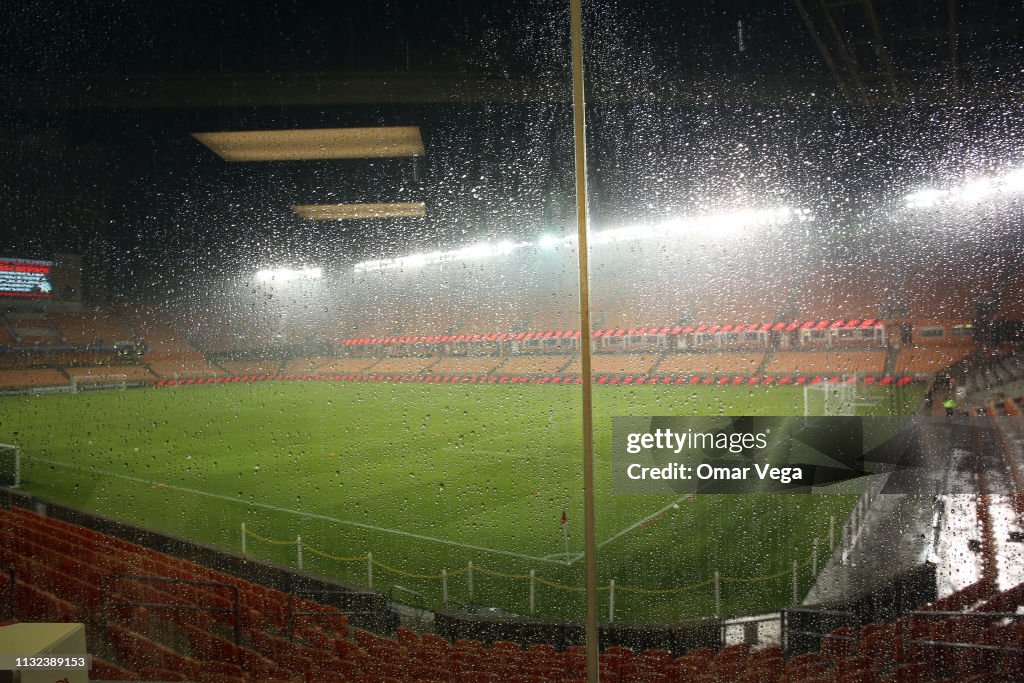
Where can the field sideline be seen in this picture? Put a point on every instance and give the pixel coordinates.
(426, 477)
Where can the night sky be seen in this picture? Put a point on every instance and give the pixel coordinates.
(691, 110)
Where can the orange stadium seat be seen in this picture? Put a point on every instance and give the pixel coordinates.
(90, 328)
(826, 362)
(457, 365)
(732, 363)
(251, 367)
(624, 363)
(106, 373)
(400, 366)
(325, 365)
(928, 360)
(17, 379)
(538, 365)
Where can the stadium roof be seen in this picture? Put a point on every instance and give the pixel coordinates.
(315, 143)
(339, 212)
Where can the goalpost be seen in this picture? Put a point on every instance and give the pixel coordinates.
(111, 381)
(10, 465)
(844, 398)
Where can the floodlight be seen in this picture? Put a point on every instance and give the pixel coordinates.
(717, 225)
(288, 274)
(1011, 182)
(924, 199)
(974, 190)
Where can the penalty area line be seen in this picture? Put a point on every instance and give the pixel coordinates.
(486, 451)
(634, 526)
(299, 513)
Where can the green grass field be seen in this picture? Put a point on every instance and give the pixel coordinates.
(427, 478)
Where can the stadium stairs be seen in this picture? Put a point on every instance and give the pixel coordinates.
(891, 354)
(62, 573)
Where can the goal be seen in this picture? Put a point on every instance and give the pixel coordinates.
(845, 397)
(112, 381)
(830, 398)
(10, 465)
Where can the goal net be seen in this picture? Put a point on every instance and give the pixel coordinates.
(831, 398)
(111, 381)
(10, 465)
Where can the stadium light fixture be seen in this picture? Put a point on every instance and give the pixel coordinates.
(1014, 181)
(278, 275)
(340, 212)
(473, 251)
(971, 192)
(549, 241)
(716, 226)
(315, 143)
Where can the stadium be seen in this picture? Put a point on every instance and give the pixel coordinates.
(544, 342)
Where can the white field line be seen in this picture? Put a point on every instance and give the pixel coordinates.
(300, 513)
(632, 527)
(484, 451)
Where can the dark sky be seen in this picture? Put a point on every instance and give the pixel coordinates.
(692, 108)
(514, 37)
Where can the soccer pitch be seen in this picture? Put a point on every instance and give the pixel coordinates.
(429, 478)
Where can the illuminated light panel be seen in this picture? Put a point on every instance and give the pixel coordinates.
(715, 225)
(315, 143)
(971, 192)
(474, 251)
(341, 212)
(288, 274)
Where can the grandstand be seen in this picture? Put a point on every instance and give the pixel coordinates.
(161, 629)
(827, 363)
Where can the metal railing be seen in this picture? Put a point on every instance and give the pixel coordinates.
(108, 599)
(982, 647)
(799, 639)
(421, 599)
(293, 612)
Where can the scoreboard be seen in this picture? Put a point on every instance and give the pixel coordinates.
(26, 278)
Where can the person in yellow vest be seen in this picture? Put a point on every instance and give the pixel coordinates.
(950, 405)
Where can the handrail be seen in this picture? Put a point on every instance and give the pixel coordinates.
(107, 599)
(402, 589)
(292, 612)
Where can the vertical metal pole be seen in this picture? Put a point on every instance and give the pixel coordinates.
(469, 581)
(814, 558)
(243, 540)
(580, 140)
(831, 532)
(444, 587)
(298, 545)
(796, 595)
(369, 570)
(611, 602)
(533, 591)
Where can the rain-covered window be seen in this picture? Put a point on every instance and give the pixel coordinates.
(526, 341)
